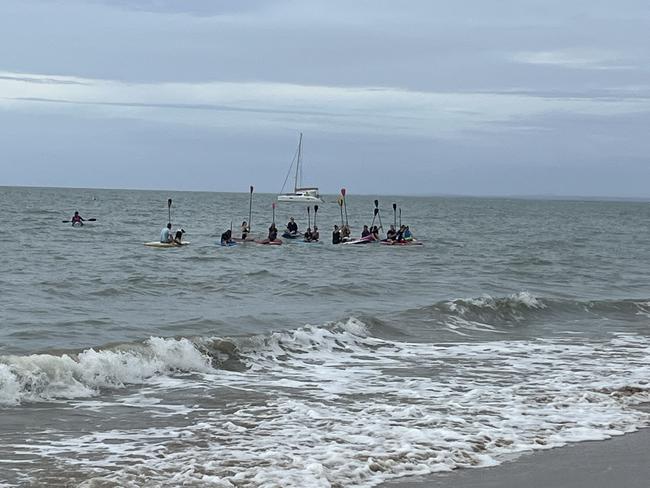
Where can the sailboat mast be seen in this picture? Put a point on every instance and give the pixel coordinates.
(295, 183)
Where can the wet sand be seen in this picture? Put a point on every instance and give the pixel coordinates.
(622, 461)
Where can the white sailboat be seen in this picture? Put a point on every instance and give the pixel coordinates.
(300, 193)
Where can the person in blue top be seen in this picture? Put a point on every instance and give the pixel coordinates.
(408, 236)
(166, 234)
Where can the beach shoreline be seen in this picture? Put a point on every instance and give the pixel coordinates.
(620, 461)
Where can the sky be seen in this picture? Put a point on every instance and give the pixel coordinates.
(419, 97)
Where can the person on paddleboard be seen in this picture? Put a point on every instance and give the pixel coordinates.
(226, 238)
(307, 235)
(273, 232)
(245, 229)
(315, 235)
(336, 235)
(408, 236)
(345, 233)
(400, 234)
(292, 227)
(375, 233)
(365, 232)
(178, 236)
(391, 235)
(77, 219)
(166, 234)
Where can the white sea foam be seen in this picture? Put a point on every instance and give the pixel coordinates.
(335, 406)
(44, 377)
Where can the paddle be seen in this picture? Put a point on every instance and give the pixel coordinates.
(394, 215)
(169, 210)
(315, 211)
(345, 206)
(85, 220)
(308, 217)
(273, 205)
(341, 208)
(378, 214)
(400, 216)
(373, 218)
(250, 210)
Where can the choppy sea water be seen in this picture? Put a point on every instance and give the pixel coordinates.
(518, 325)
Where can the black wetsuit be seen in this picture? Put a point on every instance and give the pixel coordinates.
(336, 237)
(292, 227)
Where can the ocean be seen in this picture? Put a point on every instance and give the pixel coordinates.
(519, 325)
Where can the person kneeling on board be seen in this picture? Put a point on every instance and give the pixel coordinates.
(273, 232)
(336, 235)
(178, 237)
(226, 238)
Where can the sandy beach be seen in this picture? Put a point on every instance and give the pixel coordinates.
(622, 461)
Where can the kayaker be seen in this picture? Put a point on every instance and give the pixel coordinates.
(77, 219)
(336, 235)
(166, 234)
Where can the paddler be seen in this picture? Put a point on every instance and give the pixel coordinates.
(292, 227)
(226, 238)
(308, 235)
(365, 232)
(408, 236)
(391, 235)
(273, 232)
(166, 234)
(336, 235)
(77, 219)
(345, 233)
(315, 235)
(178, 236)
(245, 229)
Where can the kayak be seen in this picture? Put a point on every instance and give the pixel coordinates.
(166, 245)
(266, 242)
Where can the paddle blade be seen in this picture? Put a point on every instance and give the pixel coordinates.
(340, 200)
(251, 189)
(308, 210)
(376, 203)
(343, 191)
(169, 202)
(91, 220)
(394, 207)
(376, 211)
(315, 208)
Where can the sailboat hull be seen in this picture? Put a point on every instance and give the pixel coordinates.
(291, 197)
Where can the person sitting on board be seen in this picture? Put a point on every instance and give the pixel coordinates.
(292, 227)
(77, 219)
(365, 232)
(408, 236)
(345, 233)
(315, 235)
(375, 233)
(391, 235)
(336, 235)
(273, 232)
(226, 238)
(400, 234)
(178, 236)
(245, 229)
(308, 235)
(166, 234)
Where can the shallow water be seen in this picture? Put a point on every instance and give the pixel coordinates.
(519, 324)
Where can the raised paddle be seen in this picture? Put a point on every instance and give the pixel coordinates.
(373, 217)
(315, 212)
(340, 199)
(400, 216)
(85, 220)
(378, 214)
(394, 215)
(250, 209)
(308, 217)
(345, 206)
(273, 205)
(169, 210)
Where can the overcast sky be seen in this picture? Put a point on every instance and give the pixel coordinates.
(548, 97)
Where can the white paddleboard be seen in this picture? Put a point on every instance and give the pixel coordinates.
(166, 244)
